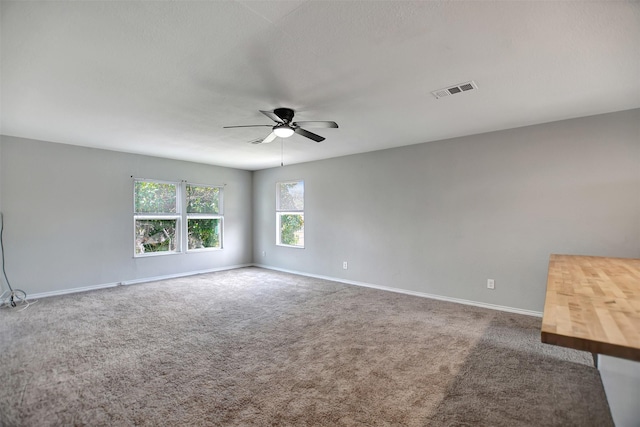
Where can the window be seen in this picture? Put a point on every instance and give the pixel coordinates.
(164, 212)
(156, 217)
(204, 217)
(290, 213)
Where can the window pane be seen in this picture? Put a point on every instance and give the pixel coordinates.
(155, 197)
(155, 235)
(291, 229)
(203, 199)
(204, 233)
(291, 196)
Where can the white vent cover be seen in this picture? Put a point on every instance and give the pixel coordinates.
(452, 90)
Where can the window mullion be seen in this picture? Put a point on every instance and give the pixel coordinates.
(182, 196)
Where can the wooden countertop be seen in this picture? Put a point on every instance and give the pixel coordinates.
(593, 304)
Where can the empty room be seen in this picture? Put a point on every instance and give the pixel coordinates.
(320, 213)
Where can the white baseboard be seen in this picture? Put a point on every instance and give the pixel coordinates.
(131, 282)
(71, 291)
(301, 273)
(190, 273)
(407, 292)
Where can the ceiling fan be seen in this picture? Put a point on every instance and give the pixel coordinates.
(284, 127)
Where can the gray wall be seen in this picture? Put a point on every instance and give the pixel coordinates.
(443, 217)
(0, 176)
(68, 215)
(438, 218)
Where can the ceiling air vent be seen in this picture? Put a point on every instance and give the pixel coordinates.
(462, 87)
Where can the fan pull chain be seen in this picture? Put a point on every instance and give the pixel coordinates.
(281, 152)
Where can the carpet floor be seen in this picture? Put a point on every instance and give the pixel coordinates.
(253, 347)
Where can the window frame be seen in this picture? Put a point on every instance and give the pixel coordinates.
(280, 212)
(181, 216)
(177, 216)
(194, 215)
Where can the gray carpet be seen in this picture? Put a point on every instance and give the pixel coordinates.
(253, 347)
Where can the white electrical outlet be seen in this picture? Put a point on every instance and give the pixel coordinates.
(264, 253)
(491, 284)
(345, 265)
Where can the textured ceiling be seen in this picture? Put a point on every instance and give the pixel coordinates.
(163, 78)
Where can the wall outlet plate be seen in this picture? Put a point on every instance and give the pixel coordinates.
(345, 265)
(491, 284)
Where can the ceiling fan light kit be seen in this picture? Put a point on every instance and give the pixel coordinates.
(283, 131)
(284, 127)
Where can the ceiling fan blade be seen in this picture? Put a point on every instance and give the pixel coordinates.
(269, 138)
(266, 140)
(273, 116)
(245, 126)
(310, 135)
(321, 124)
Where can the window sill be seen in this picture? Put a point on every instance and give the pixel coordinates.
(195, 251)
(155, 254)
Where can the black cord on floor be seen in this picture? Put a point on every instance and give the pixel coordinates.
(12, 296)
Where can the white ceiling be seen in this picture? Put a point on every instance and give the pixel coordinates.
(163, 78)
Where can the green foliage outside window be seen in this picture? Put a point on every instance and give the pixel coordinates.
(155, 197)
(292, 229)
(203, 200)
(155, 235)
(291, 196)
(204, 233)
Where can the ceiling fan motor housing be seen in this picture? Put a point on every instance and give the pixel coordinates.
(286, 114)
